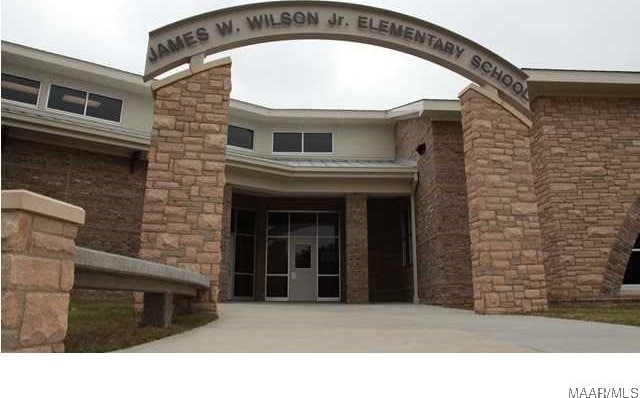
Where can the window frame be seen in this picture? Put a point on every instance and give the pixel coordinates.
(239, 148)
(86, 102)
(406, 238)
(302, 151)
(631, 288)
(38, 98)
(633, 285)
(339, 237)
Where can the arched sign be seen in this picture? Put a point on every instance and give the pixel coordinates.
(220, 30)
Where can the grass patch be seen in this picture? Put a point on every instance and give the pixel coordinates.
(618, 313)
(106, 325)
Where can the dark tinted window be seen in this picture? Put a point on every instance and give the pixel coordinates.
(632, 275)
(20, 89)
(67, 99)
(277, 286)
(303, 224)
(328, 224)
(278, 224)
(277, 258)
(104, 107)
(328, 286)
(287, 142)
(318, 142)
(245, 222)
(240, 137)
(328, 256)
(243, 286)
(303, 255)
(244, 254)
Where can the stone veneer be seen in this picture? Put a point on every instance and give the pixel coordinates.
(587, 163)
(506, 247)
(356, 244)
(442, 227)
(184, 197)
(38, 252)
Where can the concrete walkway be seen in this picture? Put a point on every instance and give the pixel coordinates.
(289, 327)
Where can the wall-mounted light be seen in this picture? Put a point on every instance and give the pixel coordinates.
(135, 156)
(421, 149)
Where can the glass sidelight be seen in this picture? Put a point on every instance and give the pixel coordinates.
(277, 268)
(243, 235)
(328, 269)
(303, 256)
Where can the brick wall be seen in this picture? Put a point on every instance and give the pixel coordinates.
(389, 280)
(587, 165)
(442, 231)
(184, 196)
(357, 251)
(226, 278)
(101, 184)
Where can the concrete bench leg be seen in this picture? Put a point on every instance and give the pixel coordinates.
(158, 309)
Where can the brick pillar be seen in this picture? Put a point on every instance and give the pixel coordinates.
(357, 248)
(38, 249)
(183, 204)
(508, 273)
(226, 277)
(442, 225)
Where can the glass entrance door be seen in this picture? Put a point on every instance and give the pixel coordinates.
(303, 256)
(303, 269)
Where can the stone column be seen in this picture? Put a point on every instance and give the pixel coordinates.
(184, 198)
(357, 248)
(506, 254)
(38, 249)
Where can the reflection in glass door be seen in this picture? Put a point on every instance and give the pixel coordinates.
(303, 256)
(328, 257)
(277, 279)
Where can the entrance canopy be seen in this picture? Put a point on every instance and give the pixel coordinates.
(234, 27)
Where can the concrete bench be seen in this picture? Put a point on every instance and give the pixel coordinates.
(105, 271)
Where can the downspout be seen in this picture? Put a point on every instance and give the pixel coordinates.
(414, 251)
(414, 246)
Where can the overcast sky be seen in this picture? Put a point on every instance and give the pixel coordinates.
(564, 34)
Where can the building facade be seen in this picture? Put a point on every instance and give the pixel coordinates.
(414, 203)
